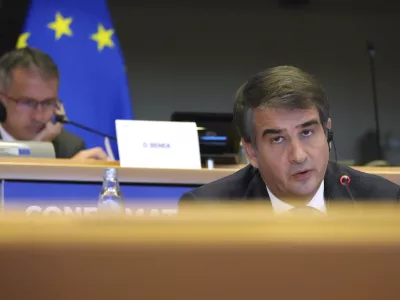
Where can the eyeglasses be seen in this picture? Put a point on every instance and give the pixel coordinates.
(31, 105)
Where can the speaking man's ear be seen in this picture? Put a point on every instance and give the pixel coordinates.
(251, 153)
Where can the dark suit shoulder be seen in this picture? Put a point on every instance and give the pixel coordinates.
(68, 136)
(67, 144)
(229, 187)
(365, 185)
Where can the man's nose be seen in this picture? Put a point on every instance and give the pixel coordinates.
(297, 155)
(39, 114)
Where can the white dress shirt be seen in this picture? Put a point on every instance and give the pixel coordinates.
(317, 202)
(5, 136)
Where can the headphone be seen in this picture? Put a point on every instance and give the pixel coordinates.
(3, 112)
(329, 135)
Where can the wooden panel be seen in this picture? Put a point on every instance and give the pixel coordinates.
(213, 258)
(182, 273)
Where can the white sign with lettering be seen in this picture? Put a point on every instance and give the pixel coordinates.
(158, 144)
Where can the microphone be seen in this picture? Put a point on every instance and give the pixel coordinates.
(372, 53)
(371, 49)
(64, 120)
(345, 181)
(59, 118)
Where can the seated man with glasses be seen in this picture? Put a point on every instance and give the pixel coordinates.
(29, 82)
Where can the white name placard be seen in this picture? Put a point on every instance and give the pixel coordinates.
(158, 144)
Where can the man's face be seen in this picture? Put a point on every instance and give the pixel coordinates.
(30, 102)
(292, 151)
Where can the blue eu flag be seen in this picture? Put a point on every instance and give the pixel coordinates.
(79, 36)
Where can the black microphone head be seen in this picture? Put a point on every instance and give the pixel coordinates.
(371, 49)
(345, 180)
(61, 118)
(370, 46)
(3, 113)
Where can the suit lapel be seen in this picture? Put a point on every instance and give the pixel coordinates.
(256, 189)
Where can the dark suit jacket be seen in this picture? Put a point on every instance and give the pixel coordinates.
(67, 144)
(247, 184)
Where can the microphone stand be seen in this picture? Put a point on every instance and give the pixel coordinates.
(64, 120)
(371, 52)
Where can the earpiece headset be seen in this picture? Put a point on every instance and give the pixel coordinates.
(3, 112)
(329, 138)
(329, 135)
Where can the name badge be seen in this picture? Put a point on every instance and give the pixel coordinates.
(158, 144)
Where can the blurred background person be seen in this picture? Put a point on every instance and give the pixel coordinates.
(29, 82)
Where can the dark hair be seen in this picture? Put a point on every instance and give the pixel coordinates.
(284, 87)
(28, 58)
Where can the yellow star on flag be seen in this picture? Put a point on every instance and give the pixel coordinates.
(61, 26)
(23, 40)
(103, 37)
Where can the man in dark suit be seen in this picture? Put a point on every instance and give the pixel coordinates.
(282, 115)
(29, 81)
(67, 144)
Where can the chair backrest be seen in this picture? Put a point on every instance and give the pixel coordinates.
(378, 163)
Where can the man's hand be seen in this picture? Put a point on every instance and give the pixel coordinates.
(51, 130)
(91, 154)
(49, 133)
